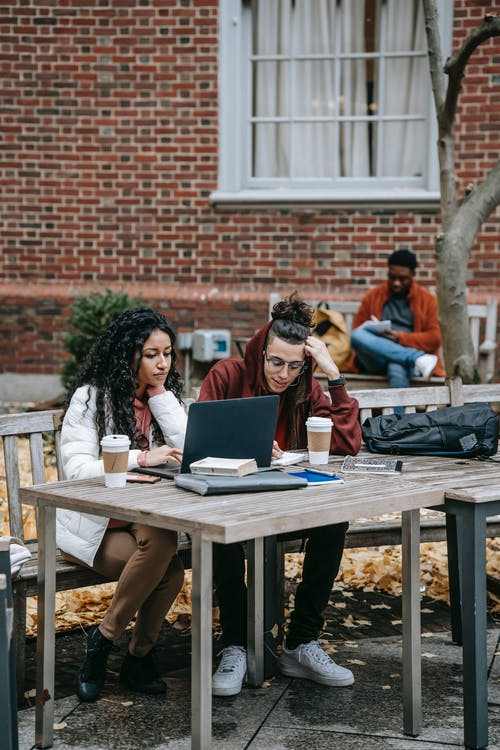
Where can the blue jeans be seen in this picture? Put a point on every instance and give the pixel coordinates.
(380, 356)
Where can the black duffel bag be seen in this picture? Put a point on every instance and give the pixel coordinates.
(470, 431)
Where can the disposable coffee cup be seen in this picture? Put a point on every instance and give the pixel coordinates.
(319, 431)
(115, 457)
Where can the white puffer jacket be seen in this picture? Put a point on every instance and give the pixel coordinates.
(80, 534)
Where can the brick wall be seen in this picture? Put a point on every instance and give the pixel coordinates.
(108, 136)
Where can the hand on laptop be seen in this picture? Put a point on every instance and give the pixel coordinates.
(160, 455)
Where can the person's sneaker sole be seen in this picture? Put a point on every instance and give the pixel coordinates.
(226, 692)
(291, 670)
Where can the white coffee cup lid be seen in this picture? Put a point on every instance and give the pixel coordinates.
(115, 441)
(318, 422)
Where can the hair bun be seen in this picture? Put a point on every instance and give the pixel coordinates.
(294, 309)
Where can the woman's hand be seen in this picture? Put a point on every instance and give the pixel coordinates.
(317, 349)
(161, 454)
(276, 452)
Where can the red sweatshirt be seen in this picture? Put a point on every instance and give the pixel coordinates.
(241, 378)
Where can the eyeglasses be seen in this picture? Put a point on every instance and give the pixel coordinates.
(275, 363)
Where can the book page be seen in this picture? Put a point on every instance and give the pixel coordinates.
(289, 458)
(376, 326)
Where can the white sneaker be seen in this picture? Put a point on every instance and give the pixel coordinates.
(231, 671)
(309, 661)
(424, 365)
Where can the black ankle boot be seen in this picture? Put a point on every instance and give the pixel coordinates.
(92, 673)
(141, 675)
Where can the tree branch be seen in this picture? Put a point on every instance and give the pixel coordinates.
(456, 64)
(435, 54)
(477, 207)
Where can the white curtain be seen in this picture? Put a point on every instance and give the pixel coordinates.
(354, 152)
(271, 29)
(293, 87)
(405, 89)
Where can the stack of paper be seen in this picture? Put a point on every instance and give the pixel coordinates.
(289, 458)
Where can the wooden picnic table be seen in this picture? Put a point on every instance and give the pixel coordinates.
(251, 517)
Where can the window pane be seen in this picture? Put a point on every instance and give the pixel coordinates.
(313, 84)
(314, 26)
(271, 150)
(313, 150)
(403, 149)
(406, 86)
(271, 89)
(352, 94)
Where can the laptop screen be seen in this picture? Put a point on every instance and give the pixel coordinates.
(231, 428)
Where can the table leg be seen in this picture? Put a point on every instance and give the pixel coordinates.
(201, 643)
(46, 627)
(454, 566)
(412, 665)
(255, 620)
(472, 539)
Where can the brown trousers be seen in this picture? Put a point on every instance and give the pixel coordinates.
(143, 560)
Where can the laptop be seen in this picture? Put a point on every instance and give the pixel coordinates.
(231, 428)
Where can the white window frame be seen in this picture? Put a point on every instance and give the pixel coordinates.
(234, 183)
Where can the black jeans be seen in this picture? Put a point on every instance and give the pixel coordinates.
(323, 553)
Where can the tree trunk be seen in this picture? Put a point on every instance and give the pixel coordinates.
(458, 350)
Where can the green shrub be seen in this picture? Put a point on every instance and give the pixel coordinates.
(90, 316)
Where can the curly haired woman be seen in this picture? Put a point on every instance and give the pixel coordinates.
(128, 385)
(278, 360)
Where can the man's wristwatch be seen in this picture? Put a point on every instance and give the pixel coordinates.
(337, 381)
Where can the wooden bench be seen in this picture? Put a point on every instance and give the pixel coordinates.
(8, 707)
(483, 328)
(44, 427)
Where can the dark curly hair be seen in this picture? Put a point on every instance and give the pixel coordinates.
(112, 366)
(292, 320)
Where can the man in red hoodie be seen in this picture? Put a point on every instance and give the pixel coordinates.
(279, 360)
(409, 346)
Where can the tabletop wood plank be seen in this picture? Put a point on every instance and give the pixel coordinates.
(228, 518)
(240, 516)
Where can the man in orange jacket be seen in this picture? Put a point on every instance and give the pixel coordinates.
(408, 347)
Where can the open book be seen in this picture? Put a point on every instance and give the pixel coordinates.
(376, 326)
(289, 458)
